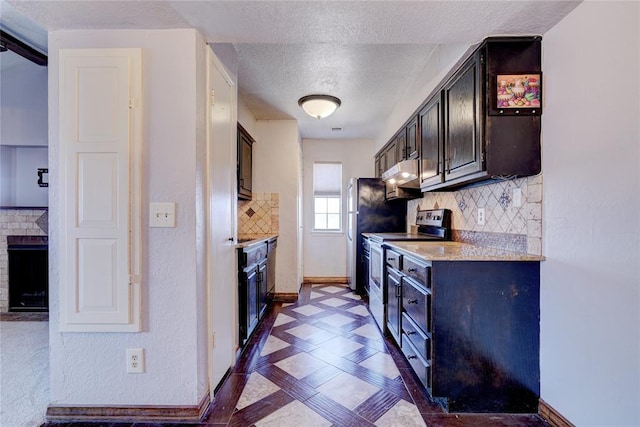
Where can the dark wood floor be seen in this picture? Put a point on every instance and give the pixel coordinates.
(323, 362)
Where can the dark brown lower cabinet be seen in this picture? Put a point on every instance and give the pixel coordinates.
(470, 330)
(486, 335)
(253, 287)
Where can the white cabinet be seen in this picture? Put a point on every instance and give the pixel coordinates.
(99, 181)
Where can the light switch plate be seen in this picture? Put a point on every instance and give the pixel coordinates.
(162, 214)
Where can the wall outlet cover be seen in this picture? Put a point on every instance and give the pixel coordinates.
(481, 216)
(135, 361)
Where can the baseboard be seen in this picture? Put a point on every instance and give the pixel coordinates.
(326, 280)
(132, 414)
(285, 296)
(553, 417)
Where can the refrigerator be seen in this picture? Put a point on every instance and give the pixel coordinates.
(368, 211)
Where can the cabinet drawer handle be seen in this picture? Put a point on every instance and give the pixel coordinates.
(412, 301)
(411, 270)
(413, 356)
(411, 333)
(390, 259)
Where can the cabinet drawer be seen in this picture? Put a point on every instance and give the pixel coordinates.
(420, 366)
(419, 271)
(253, 254)
(417, 336)
(416, 301)
(393, 258)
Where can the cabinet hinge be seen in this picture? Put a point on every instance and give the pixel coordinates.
(130, 103)
(213, 97)
(482, 58)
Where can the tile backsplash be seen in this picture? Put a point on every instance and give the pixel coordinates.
(259, 216)
(517, 228)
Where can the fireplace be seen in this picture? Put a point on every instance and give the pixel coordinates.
(28, 273)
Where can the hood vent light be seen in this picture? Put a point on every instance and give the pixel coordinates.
(402, 173)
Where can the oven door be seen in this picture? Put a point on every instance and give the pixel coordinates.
(376, 277)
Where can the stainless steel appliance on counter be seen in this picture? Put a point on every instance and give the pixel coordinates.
(369, 212)
(434, 224)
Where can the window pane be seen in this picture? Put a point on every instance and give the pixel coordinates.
(333, 221)
(320, 222)
(320, 205)
(333, 205)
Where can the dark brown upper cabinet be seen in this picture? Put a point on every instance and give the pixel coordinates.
(411, 150)
(464, 136)
(245, 163)
(431, 142)
(463, 154)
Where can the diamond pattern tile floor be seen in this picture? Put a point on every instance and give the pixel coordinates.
(313, 363)
(330, 365)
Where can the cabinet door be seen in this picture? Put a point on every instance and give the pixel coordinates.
(391, 155)
(252, 301)
(245, 164)
(431, 139)
(462, 108)
(412, 140)
(262, 288)
(401, 146)
(379, 167)
(99, 183)
(394, 297)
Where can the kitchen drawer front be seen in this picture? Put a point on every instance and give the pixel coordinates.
(417, 336)
(421, 367)
(253, 254)
(392, 258)
(416, 302)
(418, 271)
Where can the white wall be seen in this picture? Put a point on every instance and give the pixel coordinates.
(276, 169)
(23, 98)
(89, 368)
(590, 281)
(443, 59)
(325, 254)
(23, 131)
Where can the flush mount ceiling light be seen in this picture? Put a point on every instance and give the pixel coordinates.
(319, 106)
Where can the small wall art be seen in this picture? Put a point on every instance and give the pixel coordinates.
(517, 94)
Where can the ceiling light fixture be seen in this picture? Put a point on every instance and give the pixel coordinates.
(319, 106)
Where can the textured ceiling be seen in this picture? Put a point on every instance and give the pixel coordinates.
(368, 53)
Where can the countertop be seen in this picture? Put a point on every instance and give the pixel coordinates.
(456, 251)
(254, 240)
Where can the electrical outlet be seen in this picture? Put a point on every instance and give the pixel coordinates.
(517, 197)
(481, 217)
(135, 361)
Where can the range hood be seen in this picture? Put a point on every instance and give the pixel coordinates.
(403, 174)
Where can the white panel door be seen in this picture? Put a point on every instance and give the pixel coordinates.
(100, 114)
(221, 165)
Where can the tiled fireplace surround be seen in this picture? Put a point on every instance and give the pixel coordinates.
(16, 222)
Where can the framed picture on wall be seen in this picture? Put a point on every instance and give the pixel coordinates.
(516, 94)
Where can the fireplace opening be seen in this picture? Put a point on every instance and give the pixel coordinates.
(28, 273)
